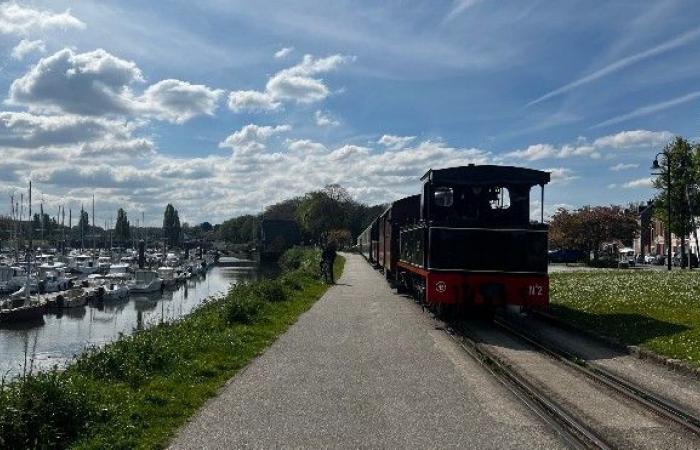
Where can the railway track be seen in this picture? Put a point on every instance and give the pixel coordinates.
(565, 417)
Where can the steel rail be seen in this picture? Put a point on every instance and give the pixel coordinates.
(575, 433)
(666, 408)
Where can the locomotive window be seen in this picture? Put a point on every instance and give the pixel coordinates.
(499, 198)
(443, 196)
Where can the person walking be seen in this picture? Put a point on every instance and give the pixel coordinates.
(327, 260)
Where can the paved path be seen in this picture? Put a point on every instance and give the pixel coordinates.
(363, 368)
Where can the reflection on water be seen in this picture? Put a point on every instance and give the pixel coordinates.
(68, 332)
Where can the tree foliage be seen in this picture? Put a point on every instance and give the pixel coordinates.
(588, 228)
(122, 229)
(684, 161)
(240, 230)
(331, 210)
(171, 226)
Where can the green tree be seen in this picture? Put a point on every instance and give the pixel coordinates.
(588, 228)
(684, 162)
(122, 229)
(171, 225)
(318, 214)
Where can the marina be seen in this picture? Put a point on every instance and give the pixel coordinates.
(57, 334)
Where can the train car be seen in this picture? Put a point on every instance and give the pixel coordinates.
(399, 214)
(473, 244)
(364, 242)
(367, 242)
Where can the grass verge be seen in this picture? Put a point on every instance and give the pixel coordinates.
(659, 311)
(136, 392)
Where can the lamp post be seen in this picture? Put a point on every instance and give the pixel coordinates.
(656, 166)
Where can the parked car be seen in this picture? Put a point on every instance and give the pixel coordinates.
(659, 260)
(649, 259)
(566, 256)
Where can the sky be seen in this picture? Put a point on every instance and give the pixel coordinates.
(224, 107)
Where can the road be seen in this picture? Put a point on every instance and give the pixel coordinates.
(364, 367)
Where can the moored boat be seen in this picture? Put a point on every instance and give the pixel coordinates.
(145, 281)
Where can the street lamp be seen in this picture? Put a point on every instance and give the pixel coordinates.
(655, 166)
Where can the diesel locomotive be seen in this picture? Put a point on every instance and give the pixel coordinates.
(466, 241)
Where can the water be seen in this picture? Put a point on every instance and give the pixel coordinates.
(68, 333)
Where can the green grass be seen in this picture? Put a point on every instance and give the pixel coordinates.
(656, 310)
(136, 392)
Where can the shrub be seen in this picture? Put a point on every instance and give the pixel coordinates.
(132, 358)
(301, 259)
(242, 309)
(269, 290)
(47, 410)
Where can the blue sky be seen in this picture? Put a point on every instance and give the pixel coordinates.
(222, 107)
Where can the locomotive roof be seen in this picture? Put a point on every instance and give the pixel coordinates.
(486, 174)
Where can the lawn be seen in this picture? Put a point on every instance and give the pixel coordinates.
(656, 310)
(137, 391)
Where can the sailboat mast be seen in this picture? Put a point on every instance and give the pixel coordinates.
(93, 225)
(29, 249)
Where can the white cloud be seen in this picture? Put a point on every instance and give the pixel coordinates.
(325, 120)
(620, 141)
(294, 84)
(623, 166)
(31, 131)
(253, 101)
(639, 183)
(92, 83)
(348, 151)
(179, 101)
(283, 52)
(25, 47)
(306, 146)
(394, 142)
(561, 175)
(17, 19)
(252, 137)
(98, 83)
(634, 139)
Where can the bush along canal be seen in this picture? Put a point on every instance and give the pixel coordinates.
(136, 391)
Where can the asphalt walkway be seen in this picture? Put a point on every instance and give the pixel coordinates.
(363, 368)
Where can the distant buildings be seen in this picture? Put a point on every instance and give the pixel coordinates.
(652, 235)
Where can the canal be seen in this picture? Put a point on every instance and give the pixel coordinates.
(67, 333)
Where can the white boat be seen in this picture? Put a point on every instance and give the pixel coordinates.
(85, 264)
(21, 310)
(72, 298)
(115, 291)
(167, 274)
(104, 263)
(52, 277)
(145, 281)
(119, 270)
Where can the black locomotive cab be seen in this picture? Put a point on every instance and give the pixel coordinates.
(477, 219)
(474, 243)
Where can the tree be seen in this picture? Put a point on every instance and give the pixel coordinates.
(241, 230)
(318, 213)
(122, 229)
(205, 227)
(684, 161)
(286, 209)
(171, 225)
(588, 228)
